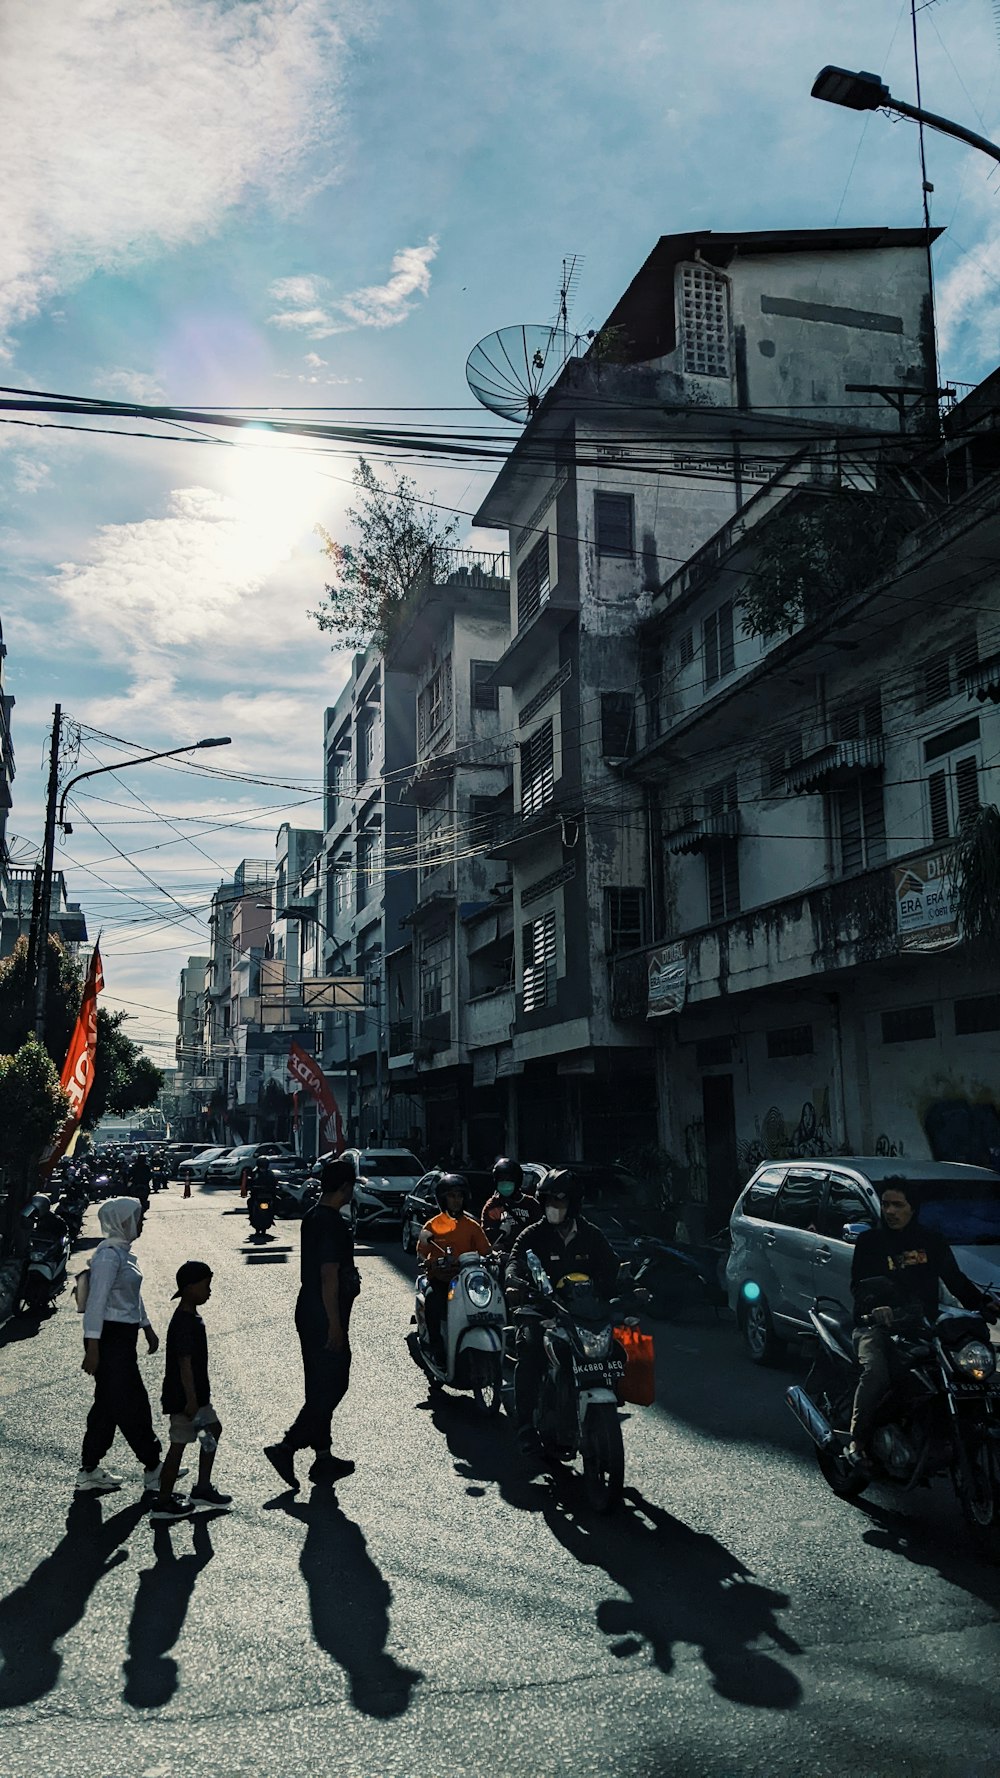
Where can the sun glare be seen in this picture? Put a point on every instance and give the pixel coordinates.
(278, 494)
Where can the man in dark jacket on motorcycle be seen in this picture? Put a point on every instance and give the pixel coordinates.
(898, 1270)
(563, 1242)
(511, 1209)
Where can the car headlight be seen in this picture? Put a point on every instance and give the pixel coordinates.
(478, 1289)
(975, 1359)
(596, 1342)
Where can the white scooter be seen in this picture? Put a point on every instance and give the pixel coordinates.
(470, 1354)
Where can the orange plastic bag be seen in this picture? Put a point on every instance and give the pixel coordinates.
(638, 1385)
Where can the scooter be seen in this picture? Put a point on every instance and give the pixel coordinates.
(469, 1354)
(44, 1273)
(261, 1209)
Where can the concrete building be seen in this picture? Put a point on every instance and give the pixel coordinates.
(450, 984)
(6, 774)
(367, 869)
(189, 1092)
(67, 920)
(724, 360)
(240, 922)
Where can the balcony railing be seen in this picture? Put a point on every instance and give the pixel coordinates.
(443, 566)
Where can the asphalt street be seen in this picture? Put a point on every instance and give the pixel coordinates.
(449, 1610)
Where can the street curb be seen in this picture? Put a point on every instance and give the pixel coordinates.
(10, 1274)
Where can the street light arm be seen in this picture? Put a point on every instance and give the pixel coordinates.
(121, 765)
(944, 125)
(859, 90)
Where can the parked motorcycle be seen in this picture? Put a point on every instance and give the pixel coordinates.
(43, 1275)
(576, 1413)
(261, 1208)
(941, 1417)
(469, 1354)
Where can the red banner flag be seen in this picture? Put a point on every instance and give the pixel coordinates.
(78, 1069)
(307, 1073)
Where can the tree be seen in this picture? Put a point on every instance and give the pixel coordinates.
(815, 551)
(375, 575)
(975, 872)
(33, 1107)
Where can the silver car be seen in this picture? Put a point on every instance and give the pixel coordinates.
(795, 1223)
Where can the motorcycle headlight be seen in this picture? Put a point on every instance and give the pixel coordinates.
(596, 1342)
(975, 1359)
(478, 1289)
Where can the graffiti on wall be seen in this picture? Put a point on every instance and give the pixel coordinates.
(776, 1138)
(886, 1147)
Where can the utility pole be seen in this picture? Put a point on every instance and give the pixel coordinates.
(379, 1134)
(41, 922)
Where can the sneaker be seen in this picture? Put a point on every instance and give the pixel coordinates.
(282, 1458)
(176, 1507)
(99, 1480)
(203, 1494)
(330, 1469)
(151, 1478)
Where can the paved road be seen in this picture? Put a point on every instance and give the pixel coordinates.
(449, 1612)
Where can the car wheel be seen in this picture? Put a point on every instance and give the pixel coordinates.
(763, 1345)
(407, 1236)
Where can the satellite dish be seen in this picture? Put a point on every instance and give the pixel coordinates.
(510, 371)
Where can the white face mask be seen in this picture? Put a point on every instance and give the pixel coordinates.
(555, 1212)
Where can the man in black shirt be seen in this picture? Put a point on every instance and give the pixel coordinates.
(563, 1242)
(329, 1283)
(897, 1269)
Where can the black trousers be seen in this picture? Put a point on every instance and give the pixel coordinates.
(528, 1371)
(327, 1379)
(120, 1401)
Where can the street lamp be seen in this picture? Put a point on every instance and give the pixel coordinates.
(862, 91)
(40, 924)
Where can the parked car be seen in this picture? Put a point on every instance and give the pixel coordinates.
(795, 1223)
(176, 1152)
(196, 1167)
(383, 1178)
(227, 1169)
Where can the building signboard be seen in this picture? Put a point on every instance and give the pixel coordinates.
(666, 980)
(926, 903)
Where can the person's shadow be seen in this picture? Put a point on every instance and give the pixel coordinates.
(349, 1600)
(161, 1603)
(37, 1614)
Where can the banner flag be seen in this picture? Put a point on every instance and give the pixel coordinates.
(78, 1069)
(308, 1075)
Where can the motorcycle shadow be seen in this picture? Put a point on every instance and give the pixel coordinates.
(919, 1538)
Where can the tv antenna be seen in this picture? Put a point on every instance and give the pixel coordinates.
(571, 267)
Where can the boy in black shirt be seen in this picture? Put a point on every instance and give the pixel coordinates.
(329, 1283)
(186, 1397)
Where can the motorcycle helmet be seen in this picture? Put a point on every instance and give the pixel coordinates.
(448, 1183)
(560, 1188)
(508, 1179)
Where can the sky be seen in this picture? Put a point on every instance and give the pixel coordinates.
(300, 202)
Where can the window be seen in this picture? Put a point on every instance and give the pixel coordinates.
(434, 702)
(953, 786)
(790, 1040)
(617, 724)
(981, 1013)
(704, 305)
(539, 951)
(717, 644)
(713, 1052)
(685, 649)
(369, 865)
(435, 976)
(484, 694)
(624, 919)
(940, 677)
(341, 887)
(761, 1197)
(533, 582)
(853, 722)
(367, 740)
(908, 1024)
(722, 854)
(537, 770)
(799, 1201)
(778, 762)
(434, 836)
(845, 1202)
(613, 518)
(859, 816)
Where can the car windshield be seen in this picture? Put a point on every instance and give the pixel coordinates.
(967, 1214)
(391, 1166)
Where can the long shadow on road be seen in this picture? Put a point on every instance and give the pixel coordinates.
(683, 1586)
(349, 1600)
(36, 1615)
(161, 1604)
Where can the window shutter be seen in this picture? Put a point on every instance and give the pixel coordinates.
(873, 819)
(613, 524)
(537, 775)
(966, 787)
(710, 647)
(533, 582)
(685, 648)
(937, 790)
(538, 939)
(727, 649)
(852, 853)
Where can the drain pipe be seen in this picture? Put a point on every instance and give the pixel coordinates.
(839, 1107)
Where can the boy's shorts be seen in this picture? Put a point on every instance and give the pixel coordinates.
(184, 1431)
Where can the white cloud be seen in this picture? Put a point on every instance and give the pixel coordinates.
(29, 474)
(314, 361)
(130, 385)
(375, 305)
(128, 130)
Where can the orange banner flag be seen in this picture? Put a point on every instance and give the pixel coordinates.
(78, 1069)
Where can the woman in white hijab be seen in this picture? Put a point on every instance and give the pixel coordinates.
(112, 1318)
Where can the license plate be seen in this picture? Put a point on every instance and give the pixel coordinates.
(601, 1367)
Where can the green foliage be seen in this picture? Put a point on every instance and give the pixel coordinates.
(975, 872)
(374, 576)
(33, 1105)
(815, 552)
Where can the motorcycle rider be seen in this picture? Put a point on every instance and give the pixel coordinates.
(441, 1243)
(140, 1179)
(511, 1208)
(563, 1242)
(898, 1270)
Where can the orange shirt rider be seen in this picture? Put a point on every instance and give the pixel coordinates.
(444, 1239)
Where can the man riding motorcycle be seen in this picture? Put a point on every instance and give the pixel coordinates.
(564, 1242)
(897, 1271)
(441, 1243)
(511, 1208)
